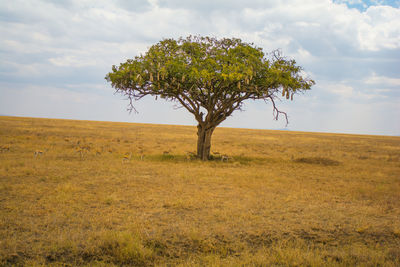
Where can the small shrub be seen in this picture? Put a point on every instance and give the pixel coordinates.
(125, 248)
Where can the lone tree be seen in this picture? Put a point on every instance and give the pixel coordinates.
(209, 77)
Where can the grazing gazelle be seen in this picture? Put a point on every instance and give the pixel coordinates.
(190, 155)
(141, 152)
(127, 157)
(4, 148)
(225, 157)
(38, 153)
(82, 150)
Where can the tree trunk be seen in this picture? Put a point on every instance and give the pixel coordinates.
(204, 133)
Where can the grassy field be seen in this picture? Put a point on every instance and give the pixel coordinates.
(69, 197)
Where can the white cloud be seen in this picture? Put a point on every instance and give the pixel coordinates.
(339, 89)
(380, 28)
(382, 81)
(72, 61)
(353, 2)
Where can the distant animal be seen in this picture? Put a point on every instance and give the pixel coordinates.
(190, 155)
(82, 150)
(38, 153)
(4, 148)
(225, 158)
(127, 157)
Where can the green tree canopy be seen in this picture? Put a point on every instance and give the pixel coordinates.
(209, 77)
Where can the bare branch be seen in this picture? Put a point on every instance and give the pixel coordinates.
(196, 113)
(176, 107)
(131, 107)
(276, 111)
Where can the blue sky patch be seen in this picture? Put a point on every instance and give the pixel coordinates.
(362, 5)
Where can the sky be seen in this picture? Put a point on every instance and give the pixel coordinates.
(54, 56)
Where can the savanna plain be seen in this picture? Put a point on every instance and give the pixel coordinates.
(83, 193)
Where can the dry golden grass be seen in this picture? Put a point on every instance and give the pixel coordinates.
(283, 199)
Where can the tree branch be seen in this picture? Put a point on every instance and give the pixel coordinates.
(196, 113)
(276, 111)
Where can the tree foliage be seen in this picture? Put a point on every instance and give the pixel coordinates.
(209, 77)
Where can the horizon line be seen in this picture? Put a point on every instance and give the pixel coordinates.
(187, 125)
